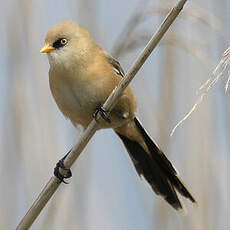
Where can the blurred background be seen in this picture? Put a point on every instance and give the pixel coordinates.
(105, 191)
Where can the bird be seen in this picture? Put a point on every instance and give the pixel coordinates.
(81, 77)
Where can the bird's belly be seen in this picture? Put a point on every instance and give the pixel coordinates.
(76, 103)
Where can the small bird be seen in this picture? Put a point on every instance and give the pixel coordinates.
(81, 77)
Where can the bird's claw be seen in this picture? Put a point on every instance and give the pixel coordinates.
(103, 113)
(60, 176)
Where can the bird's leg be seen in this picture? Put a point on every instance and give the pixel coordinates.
(103, 113)
(119, 114)
(61, 165)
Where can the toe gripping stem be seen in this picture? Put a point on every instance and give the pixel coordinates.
(61, 165)
(104, 113)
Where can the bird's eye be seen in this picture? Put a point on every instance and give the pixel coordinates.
(63, 41)
(60, 43)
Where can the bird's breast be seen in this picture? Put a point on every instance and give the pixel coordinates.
(77, 99)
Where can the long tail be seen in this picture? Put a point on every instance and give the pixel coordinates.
(151, 162)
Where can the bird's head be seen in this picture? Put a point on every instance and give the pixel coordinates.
(67, 43)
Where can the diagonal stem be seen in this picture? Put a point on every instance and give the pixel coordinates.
(54, 182)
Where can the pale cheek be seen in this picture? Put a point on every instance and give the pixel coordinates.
(52, 58)
(57, 57)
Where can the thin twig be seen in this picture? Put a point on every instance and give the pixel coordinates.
(54, 182)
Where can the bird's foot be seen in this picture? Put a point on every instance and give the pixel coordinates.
(103, 113)
(60, 165)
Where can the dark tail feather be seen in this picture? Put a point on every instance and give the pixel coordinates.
(156, 168)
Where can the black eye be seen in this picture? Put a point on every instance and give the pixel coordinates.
(60, 43)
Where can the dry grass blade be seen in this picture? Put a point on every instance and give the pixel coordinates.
(227, 83)
(122, 46)
(209, 84)
(212, 75)
(190, 47)
(172, 39)
(227, 63)
(132, 23)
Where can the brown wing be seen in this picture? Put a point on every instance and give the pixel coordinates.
(116, 65)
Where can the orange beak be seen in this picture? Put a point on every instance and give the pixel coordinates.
(47, 48)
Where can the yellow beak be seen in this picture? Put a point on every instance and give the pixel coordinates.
(46, 48)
